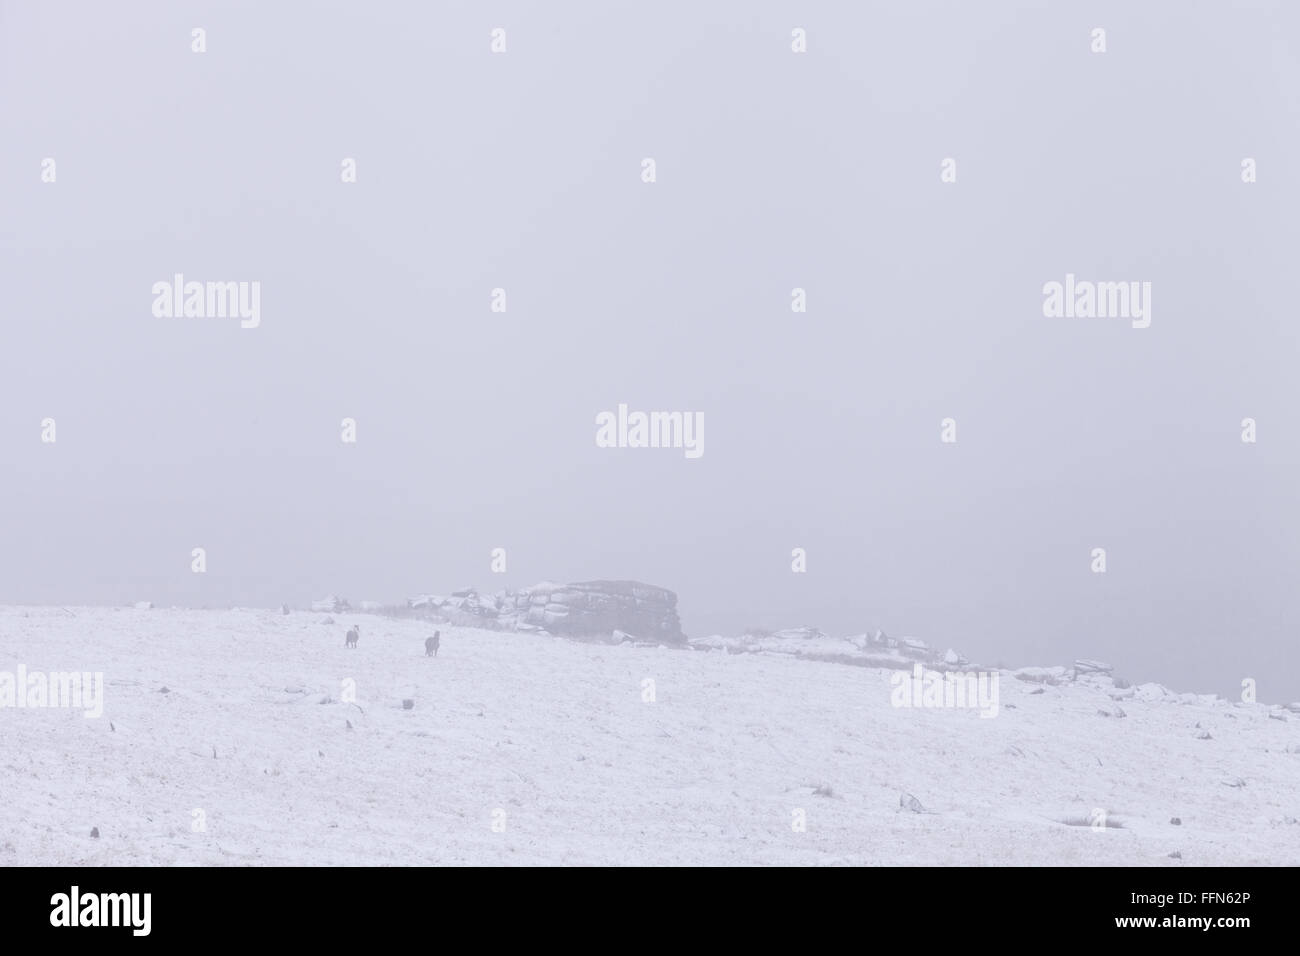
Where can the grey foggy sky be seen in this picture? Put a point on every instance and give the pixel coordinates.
(775, 170)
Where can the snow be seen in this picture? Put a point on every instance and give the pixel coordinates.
(253, 732)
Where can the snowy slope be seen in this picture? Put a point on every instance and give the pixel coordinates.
(557, 735)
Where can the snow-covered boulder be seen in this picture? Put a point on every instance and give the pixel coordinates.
(1152, 691)
(1086, 666)
(331, 604)
(913, 647)
(1042, 675)
(802, 633)
(586, 608)
(597, 607)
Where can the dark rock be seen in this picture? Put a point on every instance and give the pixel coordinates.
(332, 604)
(584, 609)
(908, 802)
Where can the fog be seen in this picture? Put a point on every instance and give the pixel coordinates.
(774, 171)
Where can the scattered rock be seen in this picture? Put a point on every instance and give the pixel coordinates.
(909, 802)
(913, 647)
(1176, 855)
(349, 723)
(1204, 735)
(94, 833)
(408, 704)
(1041, 675)
(1233, 782)
(1087, 666)
(1176, 821)
(163, 690)
(335, 605)
(584, 609)
(1152, 691)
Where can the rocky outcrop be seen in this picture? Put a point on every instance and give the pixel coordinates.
(331, 603)
(585, 609)
(1087, 666)
(874, 649)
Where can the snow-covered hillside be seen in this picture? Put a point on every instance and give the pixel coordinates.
(527, 749)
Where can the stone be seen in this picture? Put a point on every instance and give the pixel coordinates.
(1087, 666)
(586, 608)
(331, 603)
(1041, 675)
